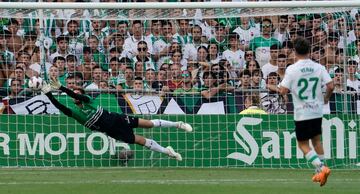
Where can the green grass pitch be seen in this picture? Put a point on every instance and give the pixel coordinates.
(172, 181)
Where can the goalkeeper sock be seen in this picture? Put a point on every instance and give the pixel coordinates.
(154, 146)
(163, 123)
(314, 159)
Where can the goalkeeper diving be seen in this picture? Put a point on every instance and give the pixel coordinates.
(115, 125)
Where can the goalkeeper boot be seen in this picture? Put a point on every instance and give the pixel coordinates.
(173, 154)
(323, 175)
(185, 126)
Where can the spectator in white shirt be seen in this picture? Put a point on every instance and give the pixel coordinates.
(162, 45)
(155, 30)
(62, 47)
(144, 56)
(234, 54)
(214, 55)
(271, 66)
(182, 36)
(281, 32)
(96, 78)
(131, 42)
(246, 32)
(249, 55)
(190, 49)
(352, 81)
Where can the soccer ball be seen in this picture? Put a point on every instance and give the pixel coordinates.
(35, 83)
(125, 155)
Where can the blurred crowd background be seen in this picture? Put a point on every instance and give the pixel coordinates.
(244, 55)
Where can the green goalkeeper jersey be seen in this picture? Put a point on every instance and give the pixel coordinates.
(88, 114)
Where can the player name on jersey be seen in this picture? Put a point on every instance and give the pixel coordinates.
(307, 70)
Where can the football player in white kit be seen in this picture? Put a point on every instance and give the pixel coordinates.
(304, 79)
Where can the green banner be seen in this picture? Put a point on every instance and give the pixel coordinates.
(217, 141)
(178, 104)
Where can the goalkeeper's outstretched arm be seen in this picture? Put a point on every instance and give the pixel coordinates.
(72, 94)
(58, 105)
(55, 84)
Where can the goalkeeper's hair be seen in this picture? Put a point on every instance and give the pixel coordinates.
(82, 91)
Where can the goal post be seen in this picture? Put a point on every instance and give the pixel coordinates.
(182, 5)
(213, 58)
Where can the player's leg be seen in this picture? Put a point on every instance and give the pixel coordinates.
(316, 142)
(324, 171)
(306, 130)
(154, 146)
(123, 130)
(143, 123)
(310, 155)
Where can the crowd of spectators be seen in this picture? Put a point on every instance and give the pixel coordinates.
(208, 57)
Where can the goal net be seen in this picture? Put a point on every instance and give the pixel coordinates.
(202, 63)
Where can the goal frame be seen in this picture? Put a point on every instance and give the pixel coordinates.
(182, 5)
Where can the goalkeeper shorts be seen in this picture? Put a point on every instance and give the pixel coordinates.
(120, 127)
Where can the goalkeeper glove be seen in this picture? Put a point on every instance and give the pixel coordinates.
(54, 83)
(46, 88)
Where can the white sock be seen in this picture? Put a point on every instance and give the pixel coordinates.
(163, 123)
(154, 146)
(322, 158)
(314, 159)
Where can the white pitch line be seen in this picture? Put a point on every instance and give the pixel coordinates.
(134, 182)
(174, 182)
(61, 171)
(41, 171)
